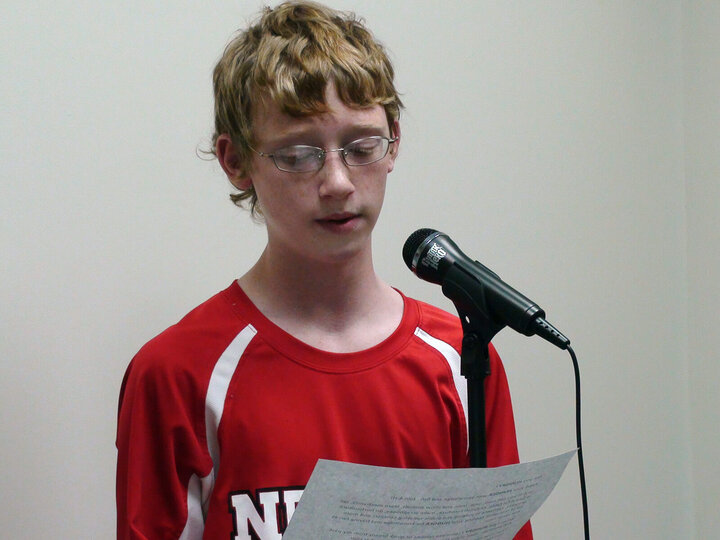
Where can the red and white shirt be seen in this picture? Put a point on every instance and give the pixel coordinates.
(223, 416)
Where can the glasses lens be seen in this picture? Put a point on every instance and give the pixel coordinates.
(298, 158)
(366, 151)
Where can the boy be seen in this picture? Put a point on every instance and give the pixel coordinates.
(310, 354)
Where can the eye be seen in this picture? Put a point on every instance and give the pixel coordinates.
(298, 155)
(363, 147)
(366, 151)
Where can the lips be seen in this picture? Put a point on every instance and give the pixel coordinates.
(340, 222)
(339, 218)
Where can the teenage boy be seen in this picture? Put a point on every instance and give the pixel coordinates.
(309, 354)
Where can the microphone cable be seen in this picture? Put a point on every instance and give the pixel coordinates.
(581, 465)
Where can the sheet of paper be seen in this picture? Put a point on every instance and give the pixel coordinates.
(344, 500)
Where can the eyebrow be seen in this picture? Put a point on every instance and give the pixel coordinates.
(309, 136)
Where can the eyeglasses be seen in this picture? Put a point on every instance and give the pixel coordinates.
(300, 158)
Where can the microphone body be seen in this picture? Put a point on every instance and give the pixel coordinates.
(474, 288)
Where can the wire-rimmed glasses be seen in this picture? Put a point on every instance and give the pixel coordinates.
(300, 158)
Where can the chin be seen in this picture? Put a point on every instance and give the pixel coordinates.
(345, 252)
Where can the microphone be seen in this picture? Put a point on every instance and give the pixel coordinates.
(434, 257)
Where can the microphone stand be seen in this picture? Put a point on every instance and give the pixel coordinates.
(475, 367)
(478, 330)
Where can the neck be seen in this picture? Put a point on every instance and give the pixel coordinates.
(324, 304)
(308, 287)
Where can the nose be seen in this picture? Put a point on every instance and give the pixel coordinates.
(335, 177)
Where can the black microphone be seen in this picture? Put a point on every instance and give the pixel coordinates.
(433, 257)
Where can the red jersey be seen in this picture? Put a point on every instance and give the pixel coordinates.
(223, 416)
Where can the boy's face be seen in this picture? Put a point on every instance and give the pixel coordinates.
(326, 215)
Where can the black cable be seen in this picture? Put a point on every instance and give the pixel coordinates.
(581, 466)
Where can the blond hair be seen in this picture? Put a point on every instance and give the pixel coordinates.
(290, 55)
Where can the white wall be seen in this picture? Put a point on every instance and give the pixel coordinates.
(702, 169)
(570, 146)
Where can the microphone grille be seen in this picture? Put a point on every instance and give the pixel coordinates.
(413, 243)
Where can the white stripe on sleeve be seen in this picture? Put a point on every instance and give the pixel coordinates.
(218, 387)
(453, 359)
(199, 489)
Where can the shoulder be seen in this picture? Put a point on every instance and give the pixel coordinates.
(436, 322)
(444, 326)
(190, 348)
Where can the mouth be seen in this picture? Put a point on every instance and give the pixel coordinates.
(339, 219)
(340, 222)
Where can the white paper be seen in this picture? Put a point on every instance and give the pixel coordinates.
(349, 501)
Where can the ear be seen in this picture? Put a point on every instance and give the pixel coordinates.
(394, 147)
(231, 163)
